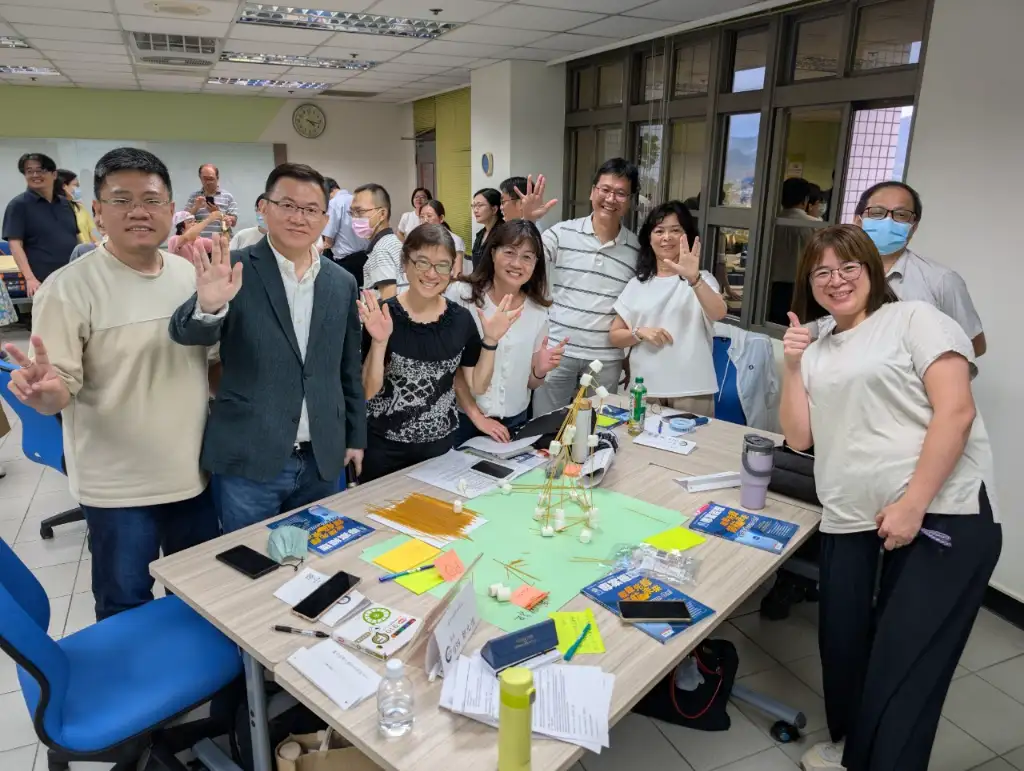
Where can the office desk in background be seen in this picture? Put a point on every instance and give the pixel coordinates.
(244, 610)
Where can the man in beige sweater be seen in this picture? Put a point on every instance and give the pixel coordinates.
(133, 403)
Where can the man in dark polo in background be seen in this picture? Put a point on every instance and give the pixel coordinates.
(39, 225)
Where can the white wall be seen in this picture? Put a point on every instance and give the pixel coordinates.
(966, 160)
(491, 124)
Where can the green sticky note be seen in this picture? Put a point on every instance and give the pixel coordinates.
(570, 625)
(418, 583)
(680, 538)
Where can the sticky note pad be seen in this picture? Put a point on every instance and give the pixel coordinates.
(407, 556)
(528, 597)
(421, 582)
(680, 538)
(570, 625)
(449, 566)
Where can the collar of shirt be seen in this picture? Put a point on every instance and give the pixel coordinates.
(899, 268)
(620, 237)
(38, 197)
(287, 267)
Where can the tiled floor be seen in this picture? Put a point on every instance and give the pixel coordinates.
(982, 726)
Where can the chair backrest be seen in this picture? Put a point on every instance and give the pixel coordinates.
(727, 400)
(42, 439)
(24, 618)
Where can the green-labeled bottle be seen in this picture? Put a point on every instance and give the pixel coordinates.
(637, 408)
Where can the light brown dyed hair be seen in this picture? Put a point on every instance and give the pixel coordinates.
(850, 244)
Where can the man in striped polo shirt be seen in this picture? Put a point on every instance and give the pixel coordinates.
(200, 206)
(589, 262)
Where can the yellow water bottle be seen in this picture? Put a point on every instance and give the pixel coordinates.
(515, 719)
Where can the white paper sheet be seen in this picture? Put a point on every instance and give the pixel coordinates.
(347, 606)
(486, 445)
(666, 440)
(341, 676)
(446, 471)
(300, 587)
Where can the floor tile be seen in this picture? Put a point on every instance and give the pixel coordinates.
(57, 580)
(81, 613)
(1016, 758)
(83, 581)
(52, 481)
(960, 672)
(13, 507)
(56, 551)
(781, 684)
(753, 603)
(986, 713)
(58, 615)
(30, 525)
(705, 750)
(15, 724)
(1008, 677)
(11, 449)
(638, 743)
(785, 641)
(992, 640)
(769, 760)
(22, 478)
(996, 764)
(752, 658)
(21, 759)
(9, 529)
(46, 504)
(955, 750)
(808, 611)
(795, 750)
(808, 670)
(8, 675)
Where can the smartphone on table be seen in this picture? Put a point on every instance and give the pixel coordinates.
(324, 596)
(248, 561)
(642, 611)
(492, 469)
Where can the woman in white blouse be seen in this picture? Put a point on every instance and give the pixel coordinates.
(666, 314)
(432, 213)
(411, 219)
(512, 264)
(902, 460)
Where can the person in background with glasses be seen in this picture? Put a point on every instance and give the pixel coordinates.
(512, 191)
(486, 209)
(413, 219)
(413, 346)
(589, 262)
(433, 213)
(39, 224)
(289, 413)
(371, 220)
(513, 266)
(133, 403)
(902, 460)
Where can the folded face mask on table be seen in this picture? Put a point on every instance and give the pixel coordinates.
(287, 545)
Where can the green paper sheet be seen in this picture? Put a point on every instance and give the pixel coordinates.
(570, 625)
(680, 538)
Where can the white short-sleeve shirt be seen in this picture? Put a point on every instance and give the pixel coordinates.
(870, 412)
(509, 392)
(684, 367)
(409, 222)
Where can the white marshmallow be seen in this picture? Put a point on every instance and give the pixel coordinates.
(602, 392)
(504, 594)
(569, 434)
(493, 589)
(463, 487)
(538, 513)
(506, 489)
(555, 447)
(573, 495)
(547, 531)
(586, 379)
(592, 516)
(585, 535)
(596, 366)
(592, 440)
(457, 506)
(542, 497)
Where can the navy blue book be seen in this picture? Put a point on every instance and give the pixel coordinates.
(761, 532)
(636, 585)
(328, 530)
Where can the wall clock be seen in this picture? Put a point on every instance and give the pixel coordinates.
(309, 121)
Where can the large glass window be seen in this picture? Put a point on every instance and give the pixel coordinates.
(648, 153)
(889, 34)
(693, 67)
(818, 43)
(609, 145)
(878, 152)
(749, 61)
(686, 162)
(584, 162)
(731, 265)
(654, 81)
(741, 134)
(609, 84)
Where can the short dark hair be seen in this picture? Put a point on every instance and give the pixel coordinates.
(260, 197)
(45, 161)
(129, 159)
(215, 169)
(332, 184)
(438, 208)
(380, 195)
(423, 236)
(619, 167)
(412, 198)
(512, 188)
(816, 195)
(297, 171)
(795, 191)
(862, 204)
(511, 233)
(647, 261)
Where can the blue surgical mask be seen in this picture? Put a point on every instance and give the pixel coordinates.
(76, 194)
(260, 222)
(889, 236)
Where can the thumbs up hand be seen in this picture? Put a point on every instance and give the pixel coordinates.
(795, 342)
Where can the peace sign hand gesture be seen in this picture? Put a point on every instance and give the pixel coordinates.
(534, 207)
(37, 383)
(376, 318)
(217, 282)
(687, 265)
(500, 321)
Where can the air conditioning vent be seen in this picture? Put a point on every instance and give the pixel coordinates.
(182, 51)
(174, 61)
(349, 94)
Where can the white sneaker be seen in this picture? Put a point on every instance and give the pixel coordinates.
(823, 756)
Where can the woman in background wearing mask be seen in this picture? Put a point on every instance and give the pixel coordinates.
(68, 186)
(250, 236)
(432, 213)
(889, 213)
(413, 219)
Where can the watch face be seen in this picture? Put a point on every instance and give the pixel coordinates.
(309, 121)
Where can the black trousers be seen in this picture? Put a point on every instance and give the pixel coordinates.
(887, 665)
(383, 456)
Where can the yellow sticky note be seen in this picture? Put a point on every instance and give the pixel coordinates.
(680, 538)
(421, 582)
(570, 625)
(407, 556)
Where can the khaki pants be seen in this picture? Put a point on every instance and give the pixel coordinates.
(698, 405)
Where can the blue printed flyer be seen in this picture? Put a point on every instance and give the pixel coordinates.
(765, 533)
(636, 585)
(328, 530)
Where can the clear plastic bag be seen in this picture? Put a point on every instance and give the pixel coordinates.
(674, 566)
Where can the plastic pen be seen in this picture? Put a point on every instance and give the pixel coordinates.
(393, 576)
(576, 645)
(303, 632)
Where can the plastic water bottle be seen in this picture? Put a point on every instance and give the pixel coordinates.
(395, 701)
(637, 408)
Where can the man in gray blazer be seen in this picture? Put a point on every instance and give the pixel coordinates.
(289, 413)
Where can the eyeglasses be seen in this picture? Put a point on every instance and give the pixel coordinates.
(898, 215)
(36, 172)
(848, 271)
(126, 205)
(620, 195)
(290, 209)
(511, 254)
(362, 212)
(475, 206)
(424, 265)
(506, 201)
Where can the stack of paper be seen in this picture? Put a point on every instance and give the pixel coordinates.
(667, 439)
(448, 470)
(572, 702)
(488, 448)
(341, 676)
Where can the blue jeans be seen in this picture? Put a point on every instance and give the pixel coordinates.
(243, 502)
(125, 540)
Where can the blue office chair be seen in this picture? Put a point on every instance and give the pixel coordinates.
(727, 400)
(107, 692)
(42, 441)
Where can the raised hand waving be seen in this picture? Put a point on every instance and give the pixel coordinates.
(217, 282)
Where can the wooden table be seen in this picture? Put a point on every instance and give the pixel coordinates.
(244, 610)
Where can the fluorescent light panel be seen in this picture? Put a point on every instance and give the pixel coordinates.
(18, 70)
(343, 21)
(262, 83)
(12, 42)
(289, 60)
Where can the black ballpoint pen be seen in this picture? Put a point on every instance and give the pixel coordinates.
(303, 632)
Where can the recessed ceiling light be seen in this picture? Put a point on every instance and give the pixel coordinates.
(287, 60)
(262, 83)
(12, 42)
(17, 70)
(177, 9)
(343, 21)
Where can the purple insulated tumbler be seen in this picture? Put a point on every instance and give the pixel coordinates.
(758, 460)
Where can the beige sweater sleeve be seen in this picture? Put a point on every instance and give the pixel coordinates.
(64, 329)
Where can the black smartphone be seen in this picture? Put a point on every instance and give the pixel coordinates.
(492, 469)
(248, 561)
(325, 595)
(211, 200)
(639, 611)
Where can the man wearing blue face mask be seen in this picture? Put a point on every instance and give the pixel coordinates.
(243, 239)
(889, 213)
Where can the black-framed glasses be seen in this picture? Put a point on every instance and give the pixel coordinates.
(362, 212)
(38, 172)
(423, 266)
(848, 271)
(126, 205)
(620, 195)
(898, 215)
(289, 208)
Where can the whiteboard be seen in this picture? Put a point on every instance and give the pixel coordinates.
(243, 167)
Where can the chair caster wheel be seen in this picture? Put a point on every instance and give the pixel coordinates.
(45, 532)
(784, 732)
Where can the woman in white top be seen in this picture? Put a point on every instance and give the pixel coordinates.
(411, 219)
(902, 460)
(432, 213)
(511, 265)
(667, 312)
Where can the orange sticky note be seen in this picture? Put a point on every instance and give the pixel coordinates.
(450, 566)
(528, 597)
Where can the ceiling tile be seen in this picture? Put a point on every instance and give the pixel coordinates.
(393, 77)
(52, 79)
(21, 56)
(234, 70)
(622, 27)
(106, 81)
(532, 54)
(518, 16)
(673, 10)
(49, 32)
(78, 68)
(279, 34)
(49, 46)
(352, 6)
(87, 58)
(443, 80)
(43, 16)
(467, 50)
(165, 26)
(255, 47)
(597, 6)
(110, 86)
(8, 31)
(476, 33)
(347, 41)
(416, 58)
(352, 85)
(215, 11)
(70, 5)
(422, 69)
(362, 54)
(478, 63)
(452, 10)
(316, 74)
(569, 43)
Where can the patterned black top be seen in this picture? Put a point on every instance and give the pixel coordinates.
(416, 402)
